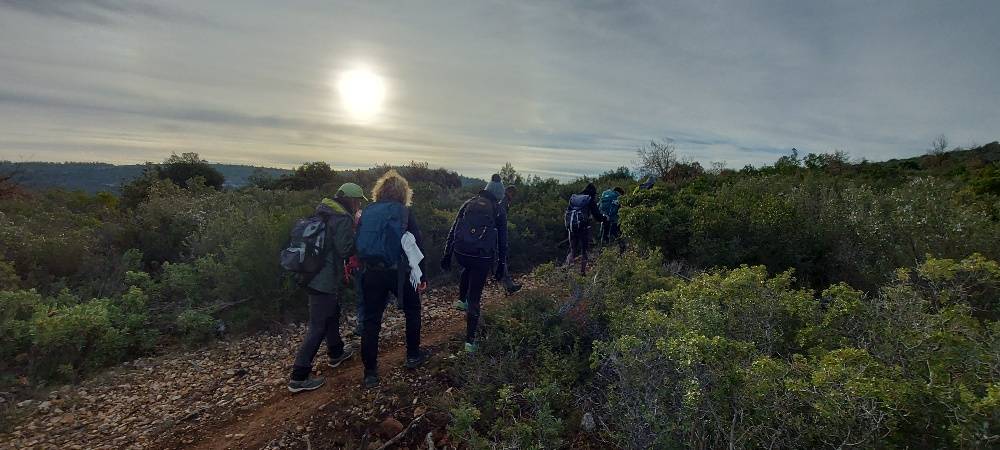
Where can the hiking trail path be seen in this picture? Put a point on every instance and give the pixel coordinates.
(232, 394)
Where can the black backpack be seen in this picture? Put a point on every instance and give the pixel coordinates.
(576, 212)
(305, 253)
(476, 231)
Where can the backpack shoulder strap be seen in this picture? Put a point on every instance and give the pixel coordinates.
(405, 219)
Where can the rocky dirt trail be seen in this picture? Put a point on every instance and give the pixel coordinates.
(232, 395)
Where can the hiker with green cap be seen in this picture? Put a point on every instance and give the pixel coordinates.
(353, 268)
(336, 217)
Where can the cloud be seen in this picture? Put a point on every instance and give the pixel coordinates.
(101, 12)
(557, 88)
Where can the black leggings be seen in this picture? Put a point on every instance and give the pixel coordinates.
(377, 284)
(474, 274)
(579, 243)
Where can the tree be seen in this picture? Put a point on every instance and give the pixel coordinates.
(178, 169)
(261, 178)
(181, 168)
(307, 176)
(833, 163)
(657, 158)
(788, 163)
(8, 185)
(315, 174)
(939, 145)
(621, 173)
(509, 176)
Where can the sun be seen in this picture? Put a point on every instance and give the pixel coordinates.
(361, 93)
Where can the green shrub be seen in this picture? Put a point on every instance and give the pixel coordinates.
(16, 310)
(195, 327)
(73, 340)
(518, 390)
(739, 358)
(9, 281)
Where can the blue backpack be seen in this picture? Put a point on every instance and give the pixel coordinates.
(379, 233)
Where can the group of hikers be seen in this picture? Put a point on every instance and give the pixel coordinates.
(380, 249)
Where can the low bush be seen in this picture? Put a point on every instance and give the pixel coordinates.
(64, 338)
(739, 358)
(195, 327)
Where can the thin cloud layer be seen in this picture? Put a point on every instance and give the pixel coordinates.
(557, 88)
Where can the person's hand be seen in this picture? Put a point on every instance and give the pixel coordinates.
(446, 263)
(421, 287)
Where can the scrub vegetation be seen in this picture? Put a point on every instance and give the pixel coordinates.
(817, 301)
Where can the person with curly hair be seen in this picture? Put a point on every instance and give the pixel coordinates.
(385, 270)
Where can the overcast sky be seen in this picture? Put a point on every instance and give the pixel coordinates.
(557, 88)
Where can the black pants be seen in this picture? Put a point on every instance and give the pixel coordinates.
(611, 232)
(324, 323)
(474, 274)
(377, 284)
(579, 243)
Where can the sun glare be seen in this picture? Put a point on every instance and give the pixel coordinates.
(361, 93)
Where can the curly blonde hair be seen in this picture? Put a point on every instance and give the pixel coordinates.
(392, 186)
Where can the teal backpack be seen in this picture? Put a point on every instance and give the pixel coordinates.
(609, 204)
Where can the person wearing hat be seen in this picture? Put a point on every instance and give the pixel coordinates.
(477, 238)
(326, 287)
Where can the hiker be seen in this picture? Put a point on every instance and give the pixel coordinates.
(646, 185)
(609, 205)
(577, 220)
(380, 232)
(507, 281)
(508, 197)
(477, 237)
(325, 286)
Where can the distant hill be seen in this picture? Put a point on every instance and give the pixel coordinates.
(976, 156)
(469, 181)
(98, 177)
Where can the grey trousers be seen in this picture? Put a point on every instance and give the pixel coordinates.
(324, 323)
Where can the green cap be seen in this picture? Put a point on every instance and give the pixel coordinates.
(351, 190)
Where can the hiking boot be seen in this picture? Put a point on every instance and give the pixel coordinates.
(347, 354)
(471, 348)
(370, 381)
(305, 385)
(461, 306)
(510, 285)
(412, 362)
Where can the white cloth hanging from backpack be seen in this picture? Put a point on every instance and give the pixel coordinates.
(413, 256)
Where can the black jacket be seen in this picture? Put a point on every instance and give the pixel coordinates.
(595, 210)
(501, 225)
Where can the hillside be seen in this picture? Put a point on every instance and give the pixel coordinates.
(814, 302)
(103, 177)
